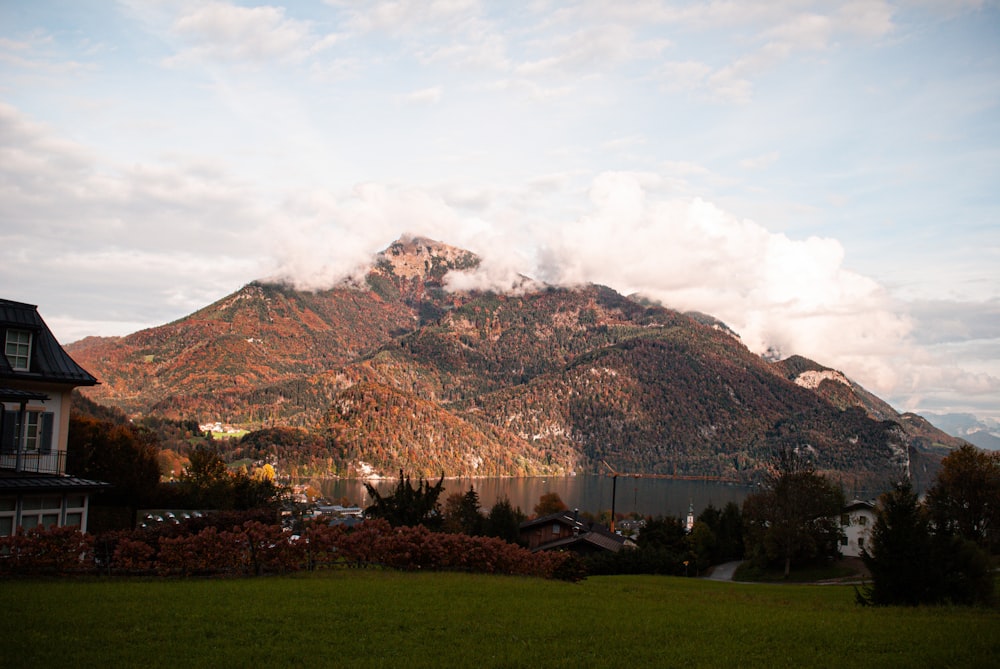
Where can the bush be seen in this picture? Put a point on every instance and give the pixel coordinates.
(58, 550)
(256, 548)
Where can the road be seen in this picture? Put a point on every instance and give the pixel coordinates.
(724, 571)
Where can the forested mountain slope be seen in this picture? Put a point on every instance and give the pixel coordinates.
(398, 371)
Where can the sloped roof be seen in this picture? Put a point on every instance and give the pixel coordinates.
(566, 518)
(17, 395)
(48, 484)
(858, 505)
(49, 362)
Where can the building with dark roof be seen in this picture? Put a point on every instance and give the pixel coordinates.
(565, 531)
(37, 378)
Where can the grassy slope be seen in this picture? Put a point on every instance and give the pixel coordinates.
(379, 619)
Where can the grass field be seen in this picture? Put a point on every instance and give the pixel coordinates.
(390, 619)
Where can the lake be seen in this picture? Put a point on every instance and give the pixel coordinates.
(647, 497)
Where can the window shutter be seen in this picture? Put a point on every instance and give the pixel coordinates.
(8, 436)
(45, 433)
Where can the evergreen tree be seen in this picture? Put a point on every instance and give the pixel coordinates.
(912, 562)
(461, 513)
(408, 506)
(899, 552)
(504, 521)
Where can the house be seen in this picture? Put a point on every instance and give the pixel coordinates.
(856, 521)
(36, 381)
(565, 531)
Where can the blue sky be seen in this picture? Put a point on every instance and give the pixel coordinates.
(820, 175)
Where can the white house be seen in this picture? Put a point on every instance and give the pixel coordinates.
(856, 520)
(37, 378)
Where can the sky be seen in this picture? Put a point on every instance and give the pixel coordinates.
(822, 176)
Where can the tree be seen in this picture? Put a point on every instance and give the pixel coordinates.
(550, 502)
(206, 481)
(727, 527)
(912, 562)
(408, 506)
(663, 546)
(504, 521)
(702, 545)
(965, 498)
(119, 454)
(796, 518)
(730, 532)
(900, 550)
(461, 513)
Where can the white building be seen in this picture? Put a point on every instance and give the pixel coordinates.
(856, 521)
(37, 378)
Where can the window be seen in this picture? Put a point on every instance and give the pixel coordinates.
(8, 505)
(17, 348)
(40, 511)
(37, 432)
(556, 528)
(861, 542)
(31, 431)
(862, 520)
(845, 519)
(76, 505)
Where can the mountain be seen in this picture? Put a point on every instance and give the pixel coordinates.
(398, 371)
(970, 428)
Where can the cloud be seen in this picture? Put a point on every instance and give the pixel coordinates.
(174, 235)
(321, 237)
(407, 16)
(424, 96)
(230, 33)
(143, 243)
(793, 295)
(590, 50)
(760, 162)
(775, 33)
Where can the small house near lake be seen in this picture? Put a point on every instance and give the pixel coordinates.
(565, 531)
(37, 378)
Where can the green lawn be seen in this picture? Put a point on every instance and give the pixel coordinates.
(389, 619)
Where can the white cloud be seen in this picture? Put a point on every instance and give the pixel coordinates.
(321, 237)
(794, 295)
(590, 50)
(791, 294)
(407, 16)
(760, 162)
(424, 96)
(227, 32)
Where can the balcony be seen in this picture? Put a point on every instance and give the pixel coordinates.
(34, 462)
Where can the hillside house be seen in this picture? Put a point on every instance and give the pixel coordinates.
(37, 378)
(856, 520)
(565, 531)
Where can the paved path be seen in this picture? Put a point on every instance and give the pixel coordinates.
(724, 571)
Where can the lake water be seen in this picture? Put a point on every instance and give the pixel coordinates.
(647, 497)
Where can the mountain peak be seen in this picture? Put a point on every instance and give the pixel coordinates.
(415, 257)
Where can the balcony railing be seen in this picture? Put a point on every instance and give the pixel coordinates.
(34, 463)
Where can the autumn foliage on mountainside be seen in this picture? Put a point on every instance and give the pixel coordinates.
(399, 372)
